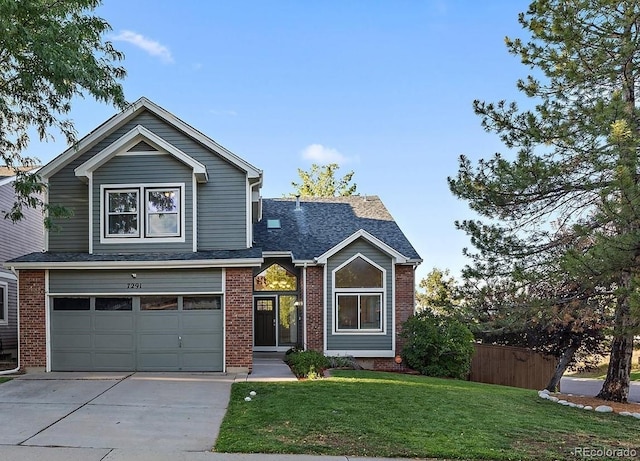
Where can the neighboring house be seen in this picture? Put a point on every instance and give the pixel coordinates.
(16, 239)
(172, 261)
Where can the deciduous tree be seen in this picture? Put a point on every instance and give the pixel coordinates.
(51, 52)
(321, 181)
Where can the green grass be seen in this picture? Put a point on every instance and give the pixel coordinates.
(359, 413)
(4, 379)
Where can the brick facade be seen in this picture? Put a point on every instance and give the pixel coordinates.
(239, 318)
(32, 312)
(315, 308)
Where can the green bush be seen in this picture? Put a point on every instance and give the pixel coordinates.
(307, 364)
(437, 346)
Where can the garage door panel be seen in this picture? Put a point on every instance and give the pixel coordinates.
(72, 340)
(71, 361)
(158, 321)
(195, 361)
(153, 341)
(71, 321)
(114, 361)
(200, 321)
(210, 341)
(114, 341)
(123, 322)
(158, 361)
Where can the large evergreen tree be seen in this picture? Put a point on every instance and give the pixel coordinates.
(50, 52)
(574, 182)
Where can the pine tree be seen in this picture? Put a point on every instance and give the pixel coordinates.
(574, 180)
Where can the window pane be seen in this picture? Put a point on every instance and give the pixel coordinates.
(359, 274)
(70, 304)
(124, 224)
(158, 303)
(347, 312)
(288, 321)
(163, 201)
(113, 304)
(264, 305)
(370, 318)
(123, 202)
(194, 303)
(162, 224)
(275, 278)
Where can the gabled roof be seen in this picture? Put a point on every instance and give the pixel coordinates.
(127, 115)
(323, 226)
(130, 139)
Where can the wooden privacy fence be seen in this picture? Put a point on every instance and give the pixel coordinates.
(511, 366)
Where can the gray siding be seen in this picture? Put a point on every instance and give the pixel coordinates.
(150, 281)
(222, 222)
(23, 237)
(143, 169)
(9, 331)
(360, 341)
(16, 239)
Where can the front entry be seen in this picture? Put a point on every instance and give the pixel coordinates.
(265, 321)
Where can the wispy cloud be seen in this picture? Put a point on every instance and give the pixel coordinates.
(318, 153)
(231, 113)
(152, 47)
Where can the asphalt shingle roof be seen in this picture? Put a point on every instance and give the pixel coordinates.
(47, 257)
(322, 223)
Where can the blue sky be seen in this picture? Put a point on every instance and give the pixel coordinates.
(384, 88)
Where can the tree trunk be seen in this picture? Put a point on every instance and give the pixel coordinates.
(563, 363)
(616, 385)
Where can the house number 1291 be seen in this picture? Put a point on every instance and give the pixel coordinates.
(134, 286)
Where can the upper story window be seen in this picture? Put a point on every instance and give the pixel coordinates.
(159, 216)
(359, 297)
(275, 278)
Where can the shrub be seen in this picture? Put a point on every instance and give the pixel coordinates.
(344, 361)
(307, 364)
(437, 346)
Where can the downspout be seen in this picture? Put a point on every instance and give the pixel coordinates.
(17, 369)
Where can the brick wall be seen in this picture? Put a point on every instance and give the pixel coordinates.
(33, 349)
(315, 308)
(239, 318)
(405, 305)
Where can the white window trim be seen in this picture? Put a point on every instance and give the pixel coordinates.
(147, 213)
(360, 291)
(4, 286)
(106, 214)
(142, 213)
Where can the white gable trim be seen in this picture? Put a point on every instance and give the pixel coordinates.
(398, 257)
(128, 114)
(130, 139)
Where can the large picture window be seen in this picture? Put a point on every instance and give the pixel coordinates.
(149, 212)
(359, 295)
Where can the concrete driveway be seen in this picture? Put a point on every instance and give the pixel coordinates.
(140, 411)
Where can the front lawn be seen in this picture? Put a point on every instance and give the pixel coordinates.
(362, 413)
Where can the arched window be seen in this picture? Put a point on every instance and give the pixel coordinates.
(359, 289)
(275, 278)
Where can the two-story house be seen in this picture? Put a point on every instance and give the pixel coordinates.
(16, 239)
(172, 261)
